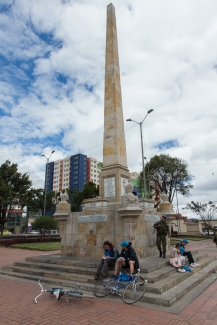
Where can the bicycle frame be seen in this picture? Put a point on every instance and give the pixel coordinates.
(117, 287)
(134, 289)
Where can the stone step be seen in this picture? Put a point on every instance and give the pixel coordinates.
(150, 264)
(172, 295)
(147, 265)
(167, 298)
(165, 286)
(156, 284)
(164, 271)
(64, 260)
(152, 277)
(50, 273)
(53, 282)
(175, 278)
(60, 268)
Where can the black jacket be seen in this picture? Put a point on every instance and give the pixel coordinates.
(130, 255)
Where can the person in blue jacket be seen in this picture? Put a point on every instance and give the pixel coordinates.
(108, 259)
(184, 252)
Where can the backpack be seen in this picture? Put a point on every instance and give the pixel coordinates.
(111, 250)
(124, 277)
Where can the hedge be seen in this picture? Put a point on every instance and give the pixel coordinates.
(13, 241)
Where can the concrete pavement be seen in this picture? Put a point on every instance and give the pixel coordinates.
(17, 304)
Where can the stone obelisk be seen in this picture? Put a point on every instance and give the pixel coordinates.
(114, 173)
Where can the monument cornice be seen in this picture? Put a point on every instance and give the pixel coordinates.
(115, 166)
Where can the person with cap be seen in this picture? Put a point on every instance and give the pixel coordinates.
(162, 231)
(127, 258)
(182, 245)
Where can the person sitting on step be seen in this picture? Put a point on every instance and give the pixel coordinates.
(108, 259)
(184, 252)
(127, 258)
(176, 259)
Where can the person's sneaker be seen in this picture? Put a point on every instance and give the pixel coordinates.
(196, 264)
(181, 270)
(193, 265)
(97, 276)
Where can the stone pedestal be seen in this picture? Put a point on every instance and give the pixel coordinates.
(166, 207)
(63, 211)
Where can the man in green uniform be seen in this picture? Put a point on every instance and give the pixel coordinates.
(162, 232)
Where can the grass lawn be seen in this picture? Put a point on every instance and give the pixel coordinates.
(174, 241)
(49, 246)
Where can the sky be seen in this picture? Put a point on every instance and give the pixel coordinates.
(52, 58)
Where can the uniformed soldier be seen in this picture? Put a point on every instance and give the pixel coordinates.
(162, 231)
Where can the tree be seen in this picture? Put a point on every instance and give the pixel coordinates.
(76, 197)
(15, 189)
(90, 190)
(206, 211)
(170, 174)
(36, 200)
(44, 224)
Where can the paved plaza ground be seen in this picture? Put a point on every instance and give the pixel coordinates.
(17, 305)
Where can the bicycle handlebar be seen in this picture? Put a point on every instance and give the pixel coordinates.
(42, 290)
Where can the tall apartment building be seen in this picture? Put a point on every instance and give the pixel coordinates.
(72, 172)
(93, 170)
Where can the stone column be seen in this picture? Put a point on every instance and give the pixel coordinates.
(114, 146)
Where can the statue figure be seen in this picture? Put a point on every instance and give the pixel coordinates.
(130, 197)
(157, 197)
(64, 197)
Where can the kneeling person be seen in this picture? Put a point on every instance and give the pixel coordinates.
(127, 259)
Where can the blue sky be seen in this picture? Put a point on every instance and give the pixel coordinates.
(52, 82)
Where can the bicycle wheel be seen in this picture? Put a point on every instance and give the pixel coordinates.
(103, 287)
(133, 292)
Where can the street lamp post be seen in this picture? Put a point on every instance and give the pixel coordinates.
(148, 177)
(45, 187)
(143, 165)
(177, 203)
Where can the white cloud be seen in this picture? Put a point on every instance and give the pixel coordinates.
(52, 82)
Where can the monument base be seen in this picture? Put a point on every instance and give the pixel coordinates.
(83, 233)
